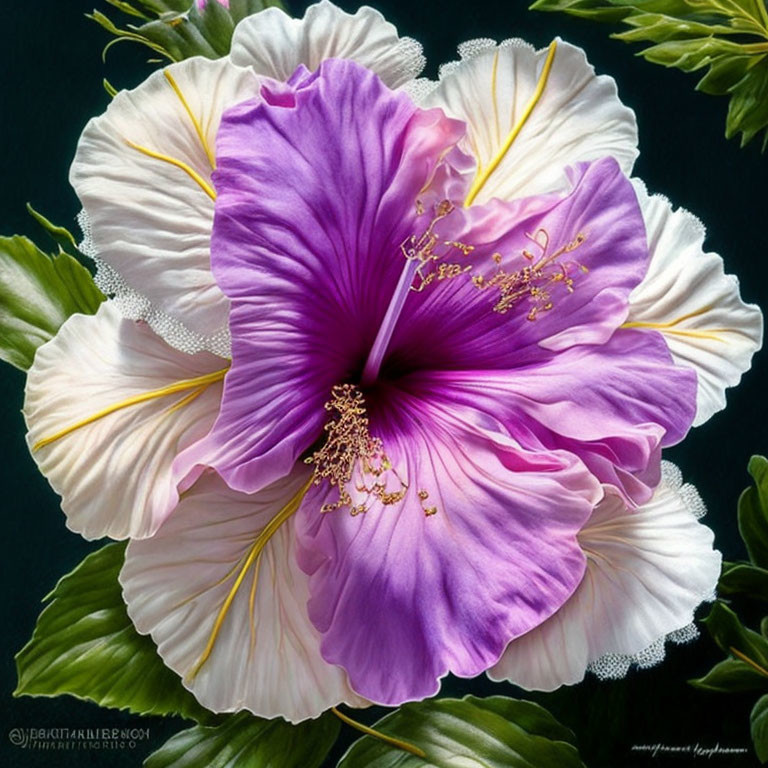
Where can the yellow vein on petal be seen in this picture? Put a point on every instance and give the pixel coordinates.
(482, 177)
(198, 383)
(253, 557)
(199, 593)
(670, 326)
(252, 602)
(186, 400)
(188, 169)
(494, 94)
(399, 743)
(192, 117)
(711, 335)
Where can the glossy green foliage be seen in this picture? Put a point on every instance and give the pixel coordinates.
(179, 29)
(726, 38)
(85, 645)
(244, 741)
(38, 293)
(496, 732)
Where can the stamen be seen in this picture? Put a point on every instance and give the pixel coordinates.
(388, 324)
(536, 280)
(423, 496)
(421, 249)
(349, 447)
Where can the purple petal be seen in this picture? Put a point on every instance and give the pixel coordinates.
(613, 405)
(316, 192)
(402, 597)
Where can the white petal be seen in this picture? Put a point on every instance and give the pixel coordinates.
(578, 116)
(274, 44)
(647, 571)
(687, 296)
(114, 472)
(150, 220)
(266, 655)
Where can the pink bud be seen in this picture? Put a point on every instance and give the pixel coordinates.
(201, 3)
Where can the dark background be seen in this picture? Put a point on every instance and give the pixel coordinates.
(50, 84)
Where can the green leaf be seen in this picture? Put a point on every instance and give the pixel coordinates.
(244, 741)
(588, 9)
(496, 732)
(178, 29)
(748, 109)
(758, 726)
(85, 645)
(729, 633)
(745, 579)
(60, 235)
(730, 676)
(127, 8)
(742, 15)
(753, 512)
(160, 7)
(727, 38)
(37, 294)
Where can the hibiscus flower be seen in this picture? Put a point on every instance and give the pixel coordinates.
(383, 386)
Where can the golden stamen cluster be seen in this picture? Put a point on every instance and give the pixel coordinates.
(349, 446)
(535, 280)
(421, 248)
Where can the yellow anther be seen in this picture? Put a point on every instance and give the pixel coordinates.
(423, 496)
(424, 250)
(535, 279)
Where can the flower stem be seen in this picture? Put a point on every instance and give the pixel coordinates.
(739, 655)
(404, 745)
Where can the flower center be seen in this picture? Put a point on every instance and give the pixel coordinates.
(351, 460)
(425, 261)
